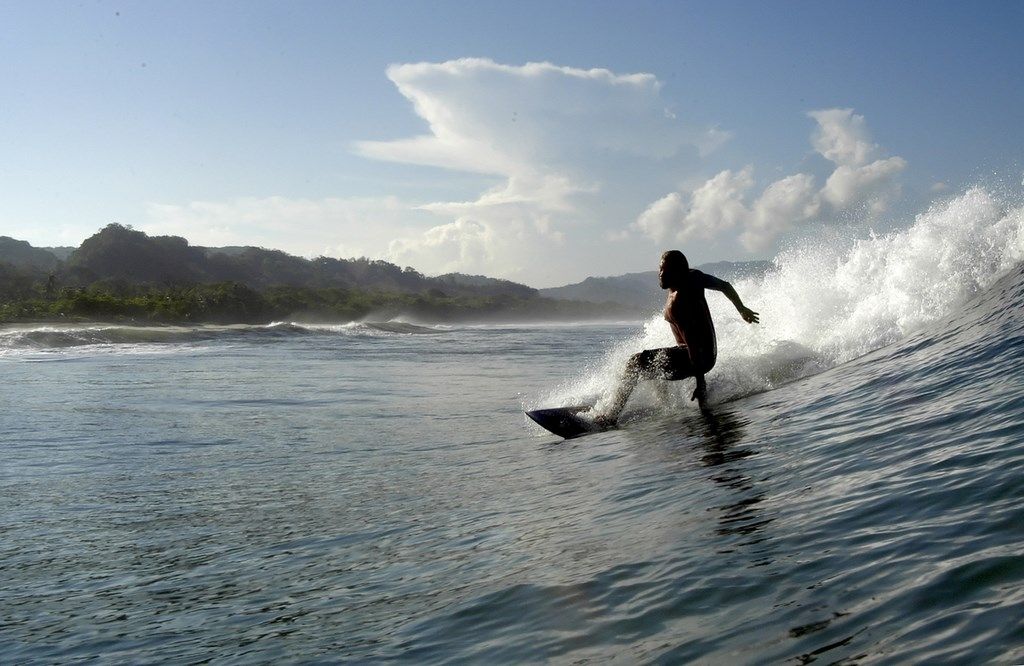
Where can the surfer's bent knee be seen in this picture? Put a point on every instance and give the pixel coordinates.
(636, 363)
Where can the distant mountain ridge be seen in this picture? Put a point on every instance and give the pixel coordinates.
(118, 256)
(62, 252)
(641, 289)
(118, 259)
(21, 254)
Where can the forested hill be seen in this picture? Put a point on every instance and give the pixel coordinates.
(19, 254)
(118, 255)
(123, 274)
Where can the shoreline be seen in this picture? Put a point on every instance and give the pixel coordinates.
(316, 321)
(234, 303)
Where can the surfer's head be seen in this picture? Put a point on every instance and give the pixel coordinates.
(673, 269)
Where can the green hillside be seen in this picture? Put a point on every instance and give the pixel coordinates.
(123, 273)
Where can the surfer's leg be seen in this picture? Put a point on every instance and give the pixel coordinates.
(648, 364)
(676, 363)
(680, 366)
(675, 366)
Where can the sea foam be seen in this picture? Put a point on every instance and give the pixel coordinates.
(830, 300)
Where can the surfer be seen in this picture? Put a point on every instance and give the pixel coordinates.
(686, 312)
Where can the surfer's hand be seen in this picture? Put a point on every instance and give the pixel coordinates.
(749, 315)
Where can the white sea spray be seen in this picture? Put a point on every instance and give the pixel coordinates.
(831, 299)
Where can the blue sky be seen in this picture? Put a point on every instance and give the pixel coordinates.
(725, 129)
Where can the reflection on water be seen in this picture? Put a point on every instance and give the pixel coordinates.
(722, 437)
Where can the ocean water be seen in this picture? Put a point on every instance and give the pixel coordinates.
(373, 492)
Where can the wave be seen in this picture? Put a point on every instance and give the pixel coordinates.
(829, 300)
(56, 337)
(364, 328)
(390, 328)
(60, 337)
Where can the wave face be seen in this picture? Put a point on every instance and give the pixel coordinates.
(832, 300)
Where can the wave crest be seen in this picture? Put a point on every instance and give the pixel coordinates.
(56, 337)
(828, 301)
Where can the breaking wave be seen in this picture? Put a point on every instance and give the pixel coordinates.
(827, 302)
(56, 337)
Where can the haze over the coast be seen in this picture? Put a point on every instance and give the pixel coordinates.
(531, 142)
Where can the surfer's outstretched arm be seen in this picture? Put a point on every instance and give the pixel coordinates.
(748, 315)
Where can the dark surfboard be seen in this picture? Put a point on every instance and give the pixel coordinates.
(564, 421)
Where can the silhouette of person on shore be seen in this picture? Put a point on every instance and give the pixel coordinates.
(686, 311)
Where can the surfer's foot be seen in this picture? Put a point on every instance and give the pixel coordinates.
(700, 393)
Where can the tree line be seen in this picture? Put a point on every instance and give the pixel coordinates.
(123, 274)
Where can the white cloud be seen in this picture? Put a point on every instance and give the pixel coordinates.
(784, 203)
(662, 218)
(717, 205)
(343, 251)
(572, 148)
(307, 227)
(463, 245)
(721, 203)
(841, 137)
(711, 140)
(873, 183)
(491, 118)
(551, 192)
(504, 246)
(558, 136)
(714, 207)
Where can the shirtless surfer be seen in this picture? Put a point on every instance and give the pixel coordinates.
(687, 314)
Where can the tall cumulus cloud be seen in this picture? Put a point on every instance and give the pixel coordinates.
(545, 131)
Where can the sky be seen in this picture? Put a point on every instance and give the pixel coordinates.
(541, 142)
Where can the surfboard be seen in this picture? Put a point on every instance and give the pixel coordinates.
(565, 421)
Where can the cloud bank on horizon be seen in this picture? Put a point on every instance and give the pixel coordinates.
(580, 169)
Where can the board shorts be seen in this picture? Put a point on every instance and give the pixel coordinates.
(669, 363)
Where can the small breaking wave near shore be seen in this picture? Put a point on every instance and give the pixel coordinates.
(50, 337)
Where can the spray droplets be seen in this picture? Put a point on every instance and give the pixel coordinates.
(832, 300)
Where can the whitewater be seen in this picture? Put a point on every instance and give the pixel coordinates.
(372, 491)
(829, 301)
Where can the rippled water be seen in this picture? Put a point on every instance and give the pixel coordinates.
(360, 493)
